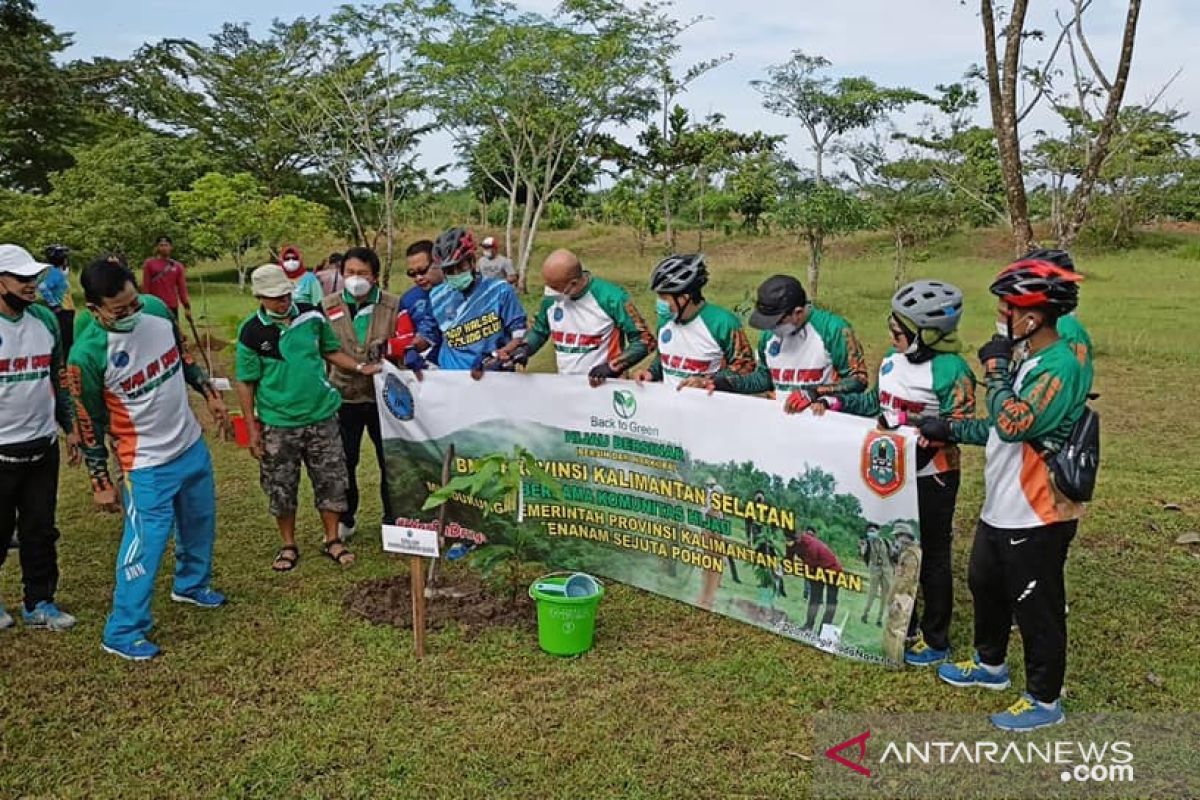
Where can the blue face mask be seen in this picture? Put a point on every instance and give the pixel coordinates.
(460, 281)
(663, 308)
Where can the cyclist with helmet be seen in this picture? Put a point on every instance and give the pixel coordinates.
(804, 352)
(482, 321)
(1026, 524)
(924, 375)
(55, 291)
(1069, 326)
(700, 345)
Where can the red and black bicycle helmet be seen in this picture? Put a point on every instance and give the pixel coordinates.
(452, 247)
(1031, 283)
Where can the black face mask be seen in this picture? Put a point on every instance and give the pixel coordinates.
(16, 302)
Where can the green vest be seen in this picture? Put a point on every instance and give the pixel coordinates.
(355, 387)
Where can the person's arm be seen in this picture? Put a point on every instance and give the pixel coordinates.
(146, 277)
(331, 351)
(846, 353)
(539, 332)
(1017, 417)
(248, 371)
(85, 383)
(860, 404)
(753, 376)
(639, 340)
(512, 314)
(423, 320)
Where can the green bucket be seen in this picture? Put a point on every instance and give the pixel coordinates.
(566, 624)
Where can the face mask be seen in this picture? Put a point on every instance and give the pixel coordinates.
(357, 285)
(125, 324)
(1002, 329)
(489, 253)
(663, 308)
(291, 264)
(784, 329)
(554, 296)
(460, 281)
(16, 302)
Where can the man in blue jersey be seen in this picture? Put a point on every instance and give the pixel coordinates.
(425, 277)
(481, 319)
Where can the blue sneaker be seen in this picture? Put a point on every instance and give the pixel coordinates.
(1028, 715)
(205, 598)
(964, 674)
(922, 655)
(47, 616)
(6, 620)
(141, 650)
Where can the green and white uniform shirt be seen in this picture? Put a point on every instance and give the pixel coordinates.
(942, 386)
(601, 326)
(824, 356)
(710, 344)
(1031, 406)
(134, 385)
(30, 392)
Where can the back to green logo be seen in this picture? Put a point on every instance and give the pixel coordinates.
(624, 403)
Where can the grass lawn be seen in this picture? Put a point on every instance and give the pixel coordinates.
(283, 695)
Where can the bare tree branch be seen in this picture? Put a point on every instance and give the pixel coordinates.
(1087, 50)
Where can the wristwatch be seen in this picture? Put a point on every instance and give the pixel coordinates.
(359, 366)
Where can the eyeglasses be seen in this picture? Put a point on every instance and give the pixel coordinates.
(416, 273)
(124, 311)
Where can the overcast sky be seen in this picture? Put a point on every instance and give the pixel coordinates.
(915, 43)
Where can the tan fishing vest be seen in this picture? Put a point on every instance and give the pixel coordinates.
(356, 388)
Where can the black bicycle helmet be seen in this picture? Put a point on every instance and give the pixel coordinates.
(56, 254)
(452, 247)
(1059, 258)
(1038, 284)
(679, 274)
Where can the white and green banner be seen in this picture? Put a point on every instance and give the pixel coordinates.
(801, 525)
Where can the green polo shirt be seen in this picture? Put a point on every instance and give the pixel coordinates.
(286, 362)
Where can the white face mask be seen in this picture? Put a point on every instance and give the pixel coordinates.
(913, 346)
(784, 329)
(357, 285)
(490, 253)
(1002, 328)
(291, 264)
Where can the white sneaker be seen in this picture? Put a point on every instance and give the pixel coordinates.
(346, 533)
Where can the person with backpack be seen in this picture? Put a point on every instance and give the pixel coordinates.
(1037, 391)
(877, 555)
(924, 375)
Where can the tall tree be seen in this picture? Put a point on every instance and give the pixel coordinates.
(1004, 80)
(544, 87)
(235, 94)
(38, 104)
(828, 110)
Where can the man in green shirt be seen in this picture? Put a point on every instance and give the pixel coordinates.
(282, 350)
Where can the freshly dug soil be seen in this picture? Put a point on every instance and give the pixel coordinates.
(472, 607)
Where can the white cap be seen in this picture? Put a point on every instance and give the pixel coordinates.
(488, 241)
(16, 260)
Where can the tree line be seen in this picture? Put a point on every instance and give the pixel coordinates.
(238, 143)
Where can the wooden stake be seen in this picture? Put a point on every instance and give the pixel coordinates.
(416, 572)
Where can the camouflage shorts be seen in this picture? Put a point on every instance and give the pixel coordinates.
(319, 446)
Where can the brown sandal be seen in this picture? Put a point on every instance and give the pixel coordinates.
(343, 557)
(286, 558)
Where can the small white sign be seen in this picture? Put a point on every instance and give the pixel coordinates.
(222, 384)
(410, 541)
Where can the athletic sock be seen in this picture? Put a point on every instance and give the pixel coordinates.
(989, 669)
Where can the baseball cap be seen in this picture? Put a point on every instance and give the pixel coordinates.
(16, 260)
(270, 280)
(778, 296)
(488, 241)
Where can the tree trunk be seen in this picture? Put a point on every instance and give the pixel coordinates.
(508, 222)
(1002, 93)
(526, 242)
(816, 249)
(899, 275)
(389, 208)
(668, 220)
(1082, 195)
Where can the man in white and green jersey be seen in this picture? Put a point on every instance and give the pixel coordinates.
(700, 345)
(595, 327)
(1027, 523)
(34, 407)
(804, 352)
(129, 374)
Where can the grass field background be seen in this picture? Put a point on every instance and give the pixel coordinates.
(282, 695)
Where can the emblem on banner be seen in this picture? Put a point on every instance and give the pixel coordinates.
(624, 403)
(398, 398)
(883, 462)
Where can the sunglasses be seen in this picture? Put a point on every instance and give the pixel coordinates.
(416, 273)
